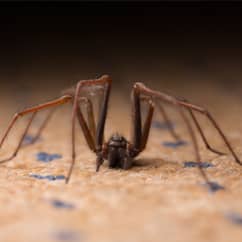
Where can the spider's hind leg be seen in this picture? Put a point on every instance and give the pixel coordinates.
(208, 146)
(205, 141)
(40, 129)
(20, 141)
(141, 89)
(208, 115)
(33, 110)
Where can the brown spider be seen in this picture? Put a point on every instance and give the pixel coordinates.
(117, 150)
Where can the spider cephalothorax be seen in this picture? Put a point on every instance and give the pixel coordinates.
(118, 151)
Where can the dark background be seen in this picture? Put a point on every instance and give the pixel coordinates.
(52, 45)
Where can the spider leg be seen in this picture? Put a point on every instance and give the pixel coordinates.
(33, 110)
(90, 115)
(141, 88)
(87, 131)
(136, 121)
(97, 147)
(91, 127)
(173, 133)
(143, 135)
(41, 128)
(103, 112)
(208, 146)
(140, 134)
(147, 124)
(214, 123)
(202, 134)
(20, 141)
(175, 101)
(164, 115)
(195, 145)
(140, 137)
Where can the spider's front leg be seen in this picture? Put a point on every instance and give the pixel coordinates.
(95, 143)
(140, 132)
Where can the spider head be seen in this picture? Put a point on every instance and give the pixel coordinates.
(117, 151)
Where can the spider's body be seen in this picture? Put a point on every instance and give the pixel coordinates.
(118, 151)
(118, 154)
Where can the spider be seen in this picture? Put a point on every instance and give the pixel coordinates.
(119, 152)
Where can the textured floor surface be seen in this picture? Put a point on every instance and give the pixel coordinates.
(160, 199)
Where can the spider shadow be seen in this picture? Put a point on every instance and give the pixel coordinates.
(152, 163)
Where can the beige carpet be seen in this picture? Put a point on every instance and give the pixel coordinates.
(160, 199)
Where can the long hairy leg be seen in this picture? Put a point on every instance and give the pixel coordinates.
(140, 87)
(175, 101)
(33, 110)
(139, 141)
(208, 146)
(41, 128)
(89, 126)
(198, 126)
(20, 141)
(205, 112)
(140, 132)
(106, 82)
